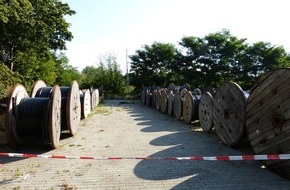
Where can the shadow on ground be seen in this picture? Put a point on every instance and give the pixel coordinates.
(182, 142)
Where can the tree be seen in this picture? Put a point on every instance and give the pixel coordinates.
(33, 25)
(153, 65)
(107, 74)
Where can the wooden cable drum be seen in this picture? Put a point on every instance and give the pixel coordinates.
(205, 112)
(178, 103)
(70, 105)
(93, 99)
(190, 107)
(158, 99)
(37, 85)
(33, 117)
(268, 118)
(85, 97)
(163, 101)
(17, 93)
(229, 107)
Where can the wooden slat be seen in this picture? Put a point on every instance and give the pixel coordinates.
(205, 112)
(229, 113)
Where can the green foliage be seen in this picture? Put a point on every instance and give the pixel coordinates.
(8, 79)
(65, 72)
(30, 30)
(107, 75)
(207, 61)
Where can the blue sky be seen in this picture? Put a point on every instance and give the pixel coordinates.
(112, 26)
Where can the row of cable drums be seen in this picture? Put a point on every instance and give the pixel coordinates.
(262, 116)
(48, 111)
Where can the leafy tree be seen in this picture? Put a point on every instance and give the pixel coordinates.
(8, 79)
(153, 65)
(65, 72)
(107, 75)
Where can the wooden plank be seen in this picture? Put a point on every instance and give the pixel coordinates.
(205, 112)
(229, 113)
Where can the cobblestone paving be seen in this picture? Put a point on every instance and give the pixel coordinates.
(128, 129)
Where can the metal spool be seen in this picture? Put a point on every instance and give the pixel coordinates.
(205, 112)
(171, 96)
(158, 100)
(70, 106)
(190, 107)
(268, 118)
(164, 101)
(229, 113)
(34, 117)
(85, 97)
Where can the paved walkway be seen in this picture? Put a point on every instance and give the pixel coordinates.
(134, 130)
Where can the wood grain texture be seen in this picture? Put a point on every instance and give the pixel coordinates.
(268, 118)
(229, 108)
(205, 112)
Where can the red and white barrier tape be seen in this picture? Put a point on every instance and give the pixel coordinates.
(209, 158)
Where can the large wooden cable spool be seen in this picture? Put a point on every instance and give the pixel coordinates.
(70, 105)
(229, 108)
(33, 117)
(205, 112)
(97, 92)
(190, 107)
(153, 98)
(171, 87)
(15, 95)
(178, 103)
(93, 99)
(143, 95)
(85, 97)
(37, 85)
(268, 118)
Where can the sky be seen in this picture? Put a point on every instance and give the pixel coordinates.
(101, 27)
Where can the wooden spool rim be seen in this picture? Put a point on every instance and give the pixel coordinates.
(177, 106)
(93, 99)
(86, 104)
(171, 87)
(230, 133)
(205, 112)
(73, 108)
(16, 93)
(55, 117)
(36, 86)
(188, 107)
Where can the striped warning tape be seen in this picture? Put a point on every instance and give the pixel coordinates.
(210, 158)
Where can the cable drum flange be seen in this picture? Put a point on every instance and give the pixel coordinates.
(85, 97)
(190, 106)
